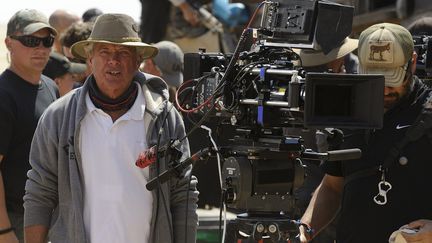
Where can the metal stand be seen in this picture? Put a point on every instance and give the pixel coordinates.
(265, 228)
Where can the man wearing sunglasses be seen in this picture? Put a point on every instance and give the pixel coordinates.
(24, 95)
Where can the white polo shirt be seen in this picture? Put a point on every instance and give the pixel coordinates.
(117, 206)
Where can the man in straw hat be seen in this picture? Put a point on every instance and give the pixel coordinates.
(386, 188)
(336, 61)
(89, 171)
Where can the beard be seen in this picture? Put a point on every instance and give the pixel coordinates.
(393, 98)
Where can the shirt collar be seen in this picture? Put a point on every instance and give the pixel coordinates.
(136, 112)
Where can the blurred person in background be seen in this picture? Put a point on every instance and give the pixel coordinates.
(168, 64)
(61, 19)
(65, 73)
(76, 32)
(91, 14)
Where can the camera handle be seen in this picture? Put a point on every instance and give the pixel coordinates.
(177, 168)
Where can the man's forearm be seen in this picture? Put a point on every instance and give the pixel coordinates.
(4, 218)
(36, 234)
(322, 208)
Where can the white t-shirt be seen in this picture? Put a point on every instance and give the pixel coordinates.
(117, 206)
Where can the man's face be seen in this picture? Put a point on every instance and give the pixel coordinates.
(393, 94)
(29, 59)
(148, 66)
(113, 67)
(65, 83)
(337, 66)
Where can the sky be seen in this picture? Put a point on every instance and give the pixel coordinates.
(130, 7)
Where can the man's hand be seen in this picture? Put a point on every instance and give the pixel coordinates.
(305, 236)
(189, 14)
(9, 237)
(424, 233)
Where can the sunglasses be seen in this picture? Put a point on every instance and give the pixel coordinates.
(33, 41)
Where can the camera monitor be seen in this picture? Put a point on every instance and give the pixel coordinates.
(306, 24)
(344, 100)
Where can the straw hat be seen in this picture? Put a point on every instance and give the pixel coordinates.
(311, 58)
(118, 29)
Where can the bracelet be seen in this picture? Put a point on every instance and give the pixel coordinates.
(7, 230)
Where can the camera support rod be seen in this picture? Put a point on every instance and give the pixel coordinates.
(177, 168)
(335, 155)
(275, 71)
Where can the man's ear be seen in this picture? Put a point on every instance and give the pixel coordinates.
(7, 43)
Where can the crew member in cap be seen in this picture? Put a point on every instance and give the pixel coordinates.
(66, 74)
(168, 64)
(89, 169)
(386, 188)
(24, 94)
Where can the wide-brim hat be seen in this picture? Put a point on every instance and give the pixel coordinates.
(312, 58)
(117, 29)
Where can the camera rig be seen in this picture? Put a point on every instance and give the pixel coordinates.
(423, 48)
(259, 90)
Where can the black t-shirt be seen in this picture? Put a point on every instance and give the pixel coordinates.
(21, 105)
(362, 220)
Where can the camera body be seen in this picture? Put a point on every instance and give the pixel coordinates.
(261, 89)
(423, 48)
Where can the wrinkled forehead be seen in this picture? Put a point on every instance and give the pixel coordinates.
(113, 47)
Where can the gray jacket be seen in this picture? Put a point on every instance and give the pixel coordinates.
(54, 189)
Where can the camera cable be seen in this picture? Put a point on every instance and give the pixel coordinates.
(223, 205)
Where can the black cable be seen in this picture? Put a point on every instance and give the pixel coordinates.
(161, 129)
(187, 205)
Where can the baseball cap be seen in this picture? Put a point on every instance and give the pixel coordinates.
(170, 61)
(386, 49)
(58, 65)
(28, 21)
(311, 57)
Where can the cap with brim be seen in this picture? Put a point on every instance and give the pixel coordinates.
(32, 28)
(173, 79)
(393, 76)
(312, 58)
(77, 68)
(117, 29)
(58, 65)
(386, 49)
(28, 21)
(170, 62)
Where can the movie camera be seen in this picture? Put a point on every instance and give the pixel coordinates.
(259, 90)
(423, 46)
